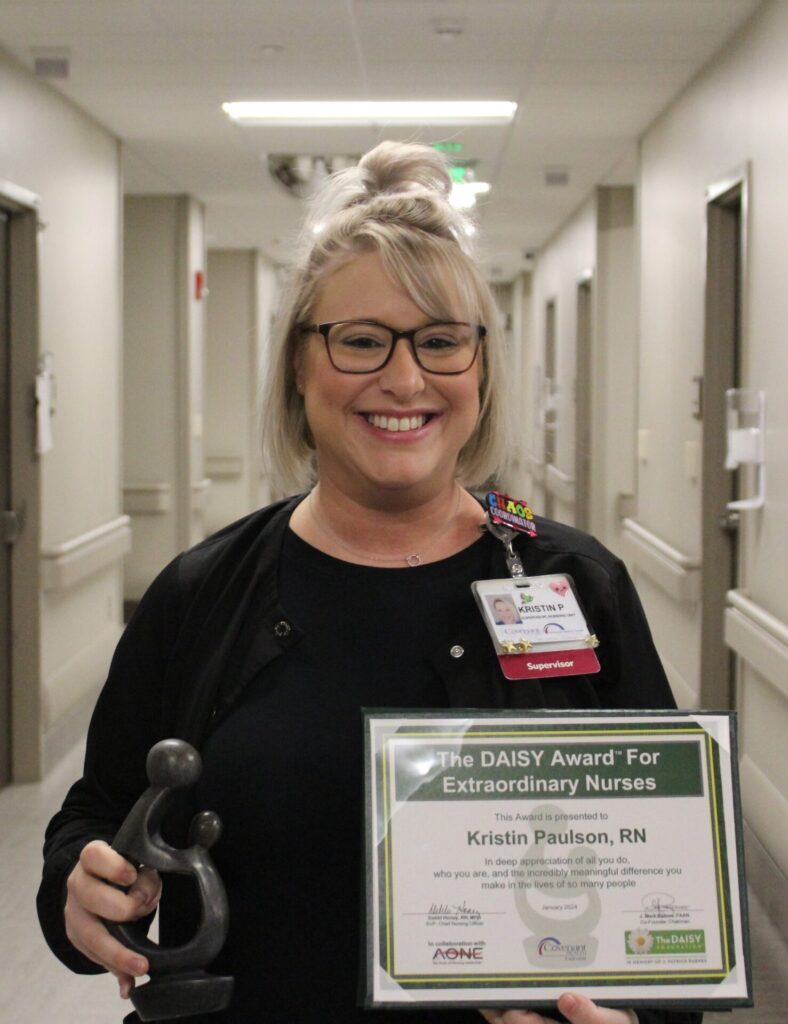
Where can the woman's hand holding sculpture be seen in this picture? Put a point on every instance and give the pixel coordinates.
(93, 894)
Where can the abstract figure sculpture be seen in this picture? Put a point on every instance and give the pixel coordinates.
(179, 986)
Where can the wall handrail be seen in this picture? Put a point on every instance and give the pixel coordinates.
(759, 638)
(777, 629)
(673, 571)
(652, 540)
(63, 565)
(561, 485)
(85, 539)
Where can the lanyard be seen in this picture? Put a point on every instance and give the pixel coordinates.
(514, 563)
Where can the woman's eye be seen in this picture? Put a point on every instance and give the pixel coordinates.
(361, 341)
(438, 343)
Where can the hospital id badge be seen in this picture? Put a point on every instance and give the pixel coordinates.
(537, 626)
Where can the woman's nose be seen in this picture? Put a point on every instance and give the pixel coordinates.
(402, 376)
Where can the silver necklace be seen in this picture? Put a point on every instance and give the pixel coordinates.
(413, 559)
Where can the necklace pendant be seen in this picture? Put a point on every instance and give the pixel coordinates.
(413, 560)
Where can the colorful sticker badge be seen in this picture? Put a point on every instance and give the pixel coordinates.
(537, 626)
(505, 511)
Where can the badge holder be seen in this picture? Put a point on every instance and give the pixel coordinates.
(537, 623)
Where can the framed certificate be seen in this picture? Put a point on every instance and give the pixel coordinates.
(513, 857)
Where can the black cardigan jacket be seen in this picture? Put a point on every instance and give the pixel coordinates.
(211, 621)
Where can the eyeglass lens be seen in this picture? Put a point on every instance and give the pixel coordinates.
(440, 348)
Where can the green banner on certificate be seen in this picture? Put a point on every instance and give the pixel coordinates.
(511, 858)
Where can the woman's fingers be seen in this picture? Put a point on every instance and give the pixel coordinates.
(92, 894)
(88, 934)
(581, 1010)
(125, 985)
(98, 865)
(576, 1008)
(104, 900)
(146, 890)
(99, 859)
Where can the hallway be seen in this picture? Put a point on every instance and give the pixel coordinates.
(37, 989)
(632, 222)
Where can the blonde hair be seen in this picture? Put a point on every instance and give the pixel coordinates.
(395, 202)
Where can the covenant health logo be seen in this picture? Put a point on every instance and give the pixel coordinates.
(551, 947)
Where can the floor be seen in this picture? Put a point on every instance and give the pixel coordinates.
(36, 989)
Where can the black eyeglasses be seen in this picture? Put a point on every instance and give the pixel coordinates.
(364, 346)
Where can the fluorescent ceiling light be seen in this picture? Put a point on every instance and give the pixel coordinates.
(464, 193)
(372, 112)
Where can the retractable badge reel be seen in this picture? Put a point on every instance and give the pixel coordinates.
(537, 624)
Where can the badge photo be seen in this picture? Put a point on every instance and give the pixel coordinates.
(532, 622)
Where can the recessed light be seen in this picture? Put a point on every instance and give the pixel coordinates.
(342, 112)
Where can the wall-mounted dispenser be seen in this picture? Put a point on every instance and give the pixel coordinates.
(745, 414)
(45, 398)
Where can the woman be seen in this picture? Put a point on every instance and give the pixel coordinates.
(504, 611)
(262, 643)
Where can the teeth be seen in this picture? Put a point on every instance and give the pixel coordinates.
(394, 424)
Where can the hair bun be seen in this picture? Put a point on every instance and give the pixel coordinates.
(397, 183)
(405, 167)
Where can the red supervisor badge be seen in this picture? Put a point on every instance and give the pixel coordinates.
(537, 626)
(511, 512)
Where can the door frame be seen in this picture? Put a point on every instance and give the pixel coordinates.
(549, 400)
(583, 397)
(22, 206)
(724, 366)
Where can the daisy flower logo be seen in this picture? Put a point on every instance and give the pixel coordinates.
(640, 941)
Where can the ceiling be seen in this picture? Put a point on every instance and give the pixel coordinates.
(589, 76)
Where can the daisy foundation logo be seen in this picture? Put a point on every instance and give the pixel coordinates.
(665, 942)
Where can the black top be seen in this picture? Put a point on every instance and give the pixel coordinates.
(291, 851)
(214, 623)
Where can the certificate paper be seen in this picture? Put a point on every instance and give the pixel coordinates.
(511, 858)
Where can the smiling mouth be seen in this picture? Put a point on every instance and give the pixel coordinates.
(397, 423)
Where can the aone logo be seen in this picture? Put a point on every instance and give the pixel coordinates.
(549, 947)
(463, 953)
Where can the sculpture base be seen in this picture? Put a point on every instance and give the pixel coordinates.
(181, 995)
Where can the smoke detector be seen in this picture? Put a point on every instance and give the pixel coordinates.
(52, 62)
(448, 28)
(556, 176)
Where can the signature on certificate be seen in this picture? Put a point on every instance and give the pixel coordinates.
(658, 901)
(449, 909)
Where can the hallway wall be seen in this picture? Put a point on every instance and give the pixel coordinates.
(649, 277)
(242, 286)
(734, 114)
(596, 247)
(165, 489)
(565, 259)
(51, 148)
